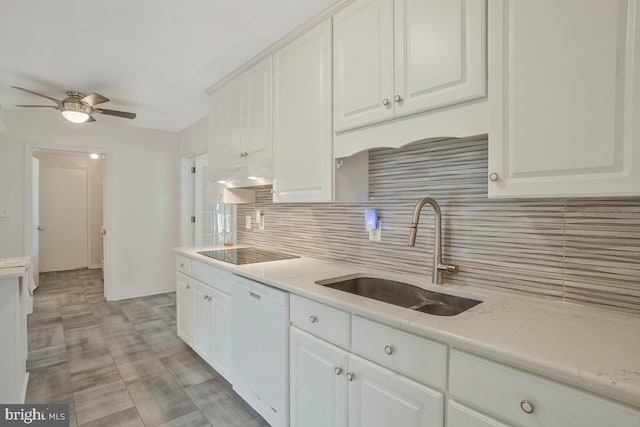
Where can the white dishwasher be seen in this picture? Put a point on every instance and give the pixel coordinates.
(260, 343)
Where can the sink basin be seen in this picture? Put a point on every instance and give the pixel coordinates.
(402, 294)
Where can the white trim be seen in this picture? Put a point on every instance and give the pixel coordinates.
(29, 148)
(318, 18)
(144, 294)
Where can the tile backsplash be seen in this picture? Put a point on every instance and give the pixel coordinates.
(580, 250)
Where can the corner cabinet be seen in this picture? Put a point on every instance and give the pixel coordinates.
(302, 126)
(564, 98)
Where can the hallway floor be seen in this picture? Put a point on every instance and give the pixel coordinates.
(121, 363)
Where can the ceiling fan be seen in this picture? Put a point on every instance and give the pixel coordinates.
(78, 107)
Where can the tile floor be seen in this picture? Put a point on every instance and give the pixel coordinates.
(121, 363)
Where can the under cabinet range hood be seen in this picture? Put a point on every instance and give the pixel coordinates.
(257, 173)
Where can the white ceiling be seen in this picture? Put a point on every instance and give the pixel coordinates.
(151, 57)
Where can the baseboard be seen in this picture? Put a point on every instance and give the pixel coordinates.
(144, 294)
(24, 387)
(94, 266)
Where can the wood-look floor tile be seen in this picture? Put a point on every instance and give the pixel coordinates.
(50, 384)
(126, 343)
(92, 370)
(46, 356)
(46, 335)
(109, 403)
(159, 300)
(127, 418)
(84, 340)
(194, 419)
(160, 399)
(187, 368)
(140, 368)
(221, 406)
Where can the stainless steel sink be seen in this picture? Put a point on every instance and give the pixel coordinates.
(402, 294)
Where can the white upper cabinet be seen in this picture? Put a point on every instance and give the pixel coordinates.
(302, 126)
(240, 126)
(396, 58)
(363, 64)
(564, 98)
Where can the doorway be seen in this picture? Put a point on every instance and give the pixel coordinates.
(66, 215)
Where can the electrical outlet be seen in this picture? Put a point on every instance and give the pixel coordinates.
(248, 222)
(257, 216)
(375, 235)
(261, 223)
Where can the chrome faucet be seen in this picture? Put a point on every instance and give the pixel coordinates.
(438, 266)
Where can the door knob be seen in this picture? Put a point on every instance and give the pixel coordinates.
(39, 228)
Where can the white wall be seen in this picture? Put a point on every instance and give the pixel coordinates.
(142, 193)
(94, 172)
(194, 139)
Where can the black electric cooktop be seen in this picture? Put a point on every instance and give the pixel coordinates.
(246, 255)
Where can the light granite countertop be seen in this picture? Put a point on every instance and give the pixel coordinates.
(590, 348)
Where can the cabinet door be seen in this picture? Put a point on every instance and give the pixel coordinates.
(302, 132)
(363, 64)
(440, 53)
(221, 333)
(257, 106)
(460, 416)
(318, 385)
(381, 398)
(201, 327)
(235, 135)
(565, 98)
(217, 132)
(183, 308)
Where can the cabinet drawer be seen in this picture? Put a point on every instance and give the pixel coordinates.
(320, 320)
(418, 358)
(222, 280)
(460, 416)
(506, 392)
(183, 265)
(201, 271)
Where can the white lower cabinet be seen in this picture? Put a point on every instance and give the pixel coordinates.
(317, 384)
(331, 387)
(379, 397)
(183, 307)
(460, 416)
(524, 399)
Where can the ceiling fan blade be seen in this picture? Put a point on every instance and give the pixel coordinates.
(36, 93)
(91, 119)
(122, 114)
(94, 99)
(38, 106)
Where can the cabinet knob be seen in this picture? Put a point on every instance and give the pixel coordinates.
(493, 177)
(204, 297)
(181, 265)
(338, 370)
(241, 154)
(245, 154)
(397, 98)
(313, 318)
(385, 101)
(388, 349)
(527, 406)
(350, 376)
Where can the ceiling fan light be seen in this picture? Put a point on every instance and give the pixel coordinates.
(75, 116)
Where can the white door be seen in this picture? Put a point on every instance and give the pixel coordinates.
(379, 397)
(35, 218)
(440, 54)
(565, 98)
(302, 112)
(63, 218)
(257, 121)
(318, 384)
(183, 308)
(363, 64)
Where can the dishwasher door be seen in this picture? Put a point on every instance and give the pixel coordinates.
(260, 345)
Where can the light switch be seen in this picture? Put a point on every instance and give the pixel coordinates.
(257, 216)
(248, 222)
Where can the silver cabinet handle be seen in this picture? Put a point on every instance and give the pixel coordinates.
(527, 406)
(338, 370)
(493, 177)
(204, 297)
(385, 101)
(313, 318)
(397, 98)
(350, 376)
(388, 349)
